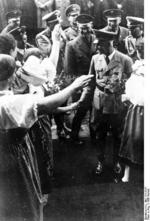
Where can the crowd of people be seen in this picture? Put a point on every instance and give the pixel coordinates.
(97, 74)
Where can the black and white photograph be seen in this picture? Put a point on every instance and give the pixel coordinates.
(74, 133)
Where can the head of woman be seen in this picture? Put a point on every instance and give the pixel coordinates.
(7, 68)
(33, 51)
(8, 45)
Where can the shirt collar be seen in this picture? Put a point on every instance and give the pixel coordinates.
(111, 55)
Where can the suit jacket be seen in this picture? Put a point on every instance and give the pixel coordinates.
(107, 77)
(120, 41)
(78, 56)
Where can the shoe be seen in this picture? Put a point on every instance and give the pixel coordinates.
(99, 168)
(61, 135)
(117, 168)
(78, 142)
(117, 180)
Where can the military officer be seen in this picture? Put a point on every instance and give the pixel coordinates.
(13, 21)
(44, 41)
(78, 55)
(136, 37)
(72, 12)
(110, 67)
(51, 20)
(113, 17)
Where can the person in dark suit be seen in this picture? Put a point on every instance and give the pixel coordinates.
(113, 17)
(78, 56)
(13, 21)
(110, 68)
(72, 12)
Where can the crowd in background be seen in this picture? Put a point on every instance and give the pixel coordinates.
(64, 77)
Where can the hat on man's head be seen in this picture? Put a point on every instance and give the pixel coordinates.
(112, 13)
(73, 9)
(105, 35)
(52, 17)
(13, 14)
(18, 32)
(84, 19)
(134, 21)
(7, 66)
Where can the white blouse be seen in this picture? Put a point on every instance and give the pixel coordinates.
(17, 111)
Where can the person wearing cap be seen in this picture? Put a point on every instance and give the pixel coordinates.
(110, 68)
(13, 21)
(19, 174)
(51, 20)
(71, 13)
(78, 55)
(44, 41)
(136, 37)
(113, 17)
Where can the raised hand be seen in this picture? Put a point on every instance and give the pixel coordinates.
(82, 81)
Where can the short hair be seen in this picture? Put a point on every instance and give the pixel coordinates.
(7, 66)
(7, 42)
(32, 51)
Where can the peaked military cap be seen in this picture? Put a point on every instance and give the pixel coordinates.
(134, 21)
(102, 34)
(84, 19)
(112, 13)
(13, 14)
(51, 17)
(18, 31)
(72, 9)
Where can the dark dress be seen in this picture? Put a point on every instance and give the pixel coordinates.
(40, 134)
(20, 188)
(132, 144)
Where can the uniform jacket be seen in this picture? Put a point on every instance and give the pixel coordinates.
(78, 56)
(71, 33)
(105, 86)
(120, 42)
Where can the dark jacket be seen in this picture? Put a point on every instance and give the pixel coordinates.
(78, 56)
(71, 33)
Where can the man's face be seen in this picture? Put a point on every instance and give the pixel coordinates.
(85, 29)
(113, 23)
(14, 21)
(135, 31)
(72, 18)
(104, 46)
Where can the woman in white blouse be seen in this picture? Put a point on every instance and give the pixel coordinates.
(19, 176)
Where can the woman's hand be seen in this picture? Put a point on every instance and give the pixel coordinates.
(56, 33)
(81, 82)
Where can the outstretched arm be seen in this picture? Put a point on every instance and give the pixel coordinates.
(48, 104)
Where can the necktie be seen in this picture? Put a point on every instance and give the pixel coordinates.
(107, 60)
